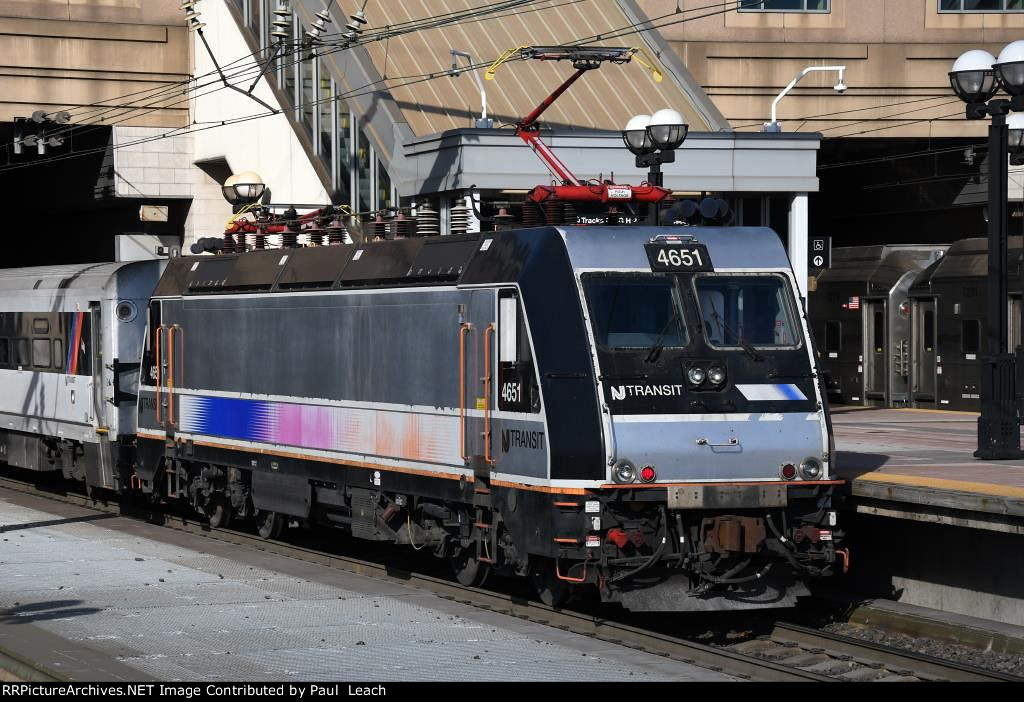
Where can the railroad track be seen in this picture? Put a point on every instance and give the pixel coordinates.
(790, 654)
(846, 658)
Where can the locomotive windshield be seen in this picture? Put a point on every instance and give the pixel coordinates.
(636, 311)
(738, 311)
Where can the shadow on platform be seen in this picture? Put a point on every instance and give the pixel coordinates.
(43, 611)
(56, 522)
(853, 464)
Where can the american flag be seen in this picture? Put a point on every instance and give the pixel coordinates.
(853, 304)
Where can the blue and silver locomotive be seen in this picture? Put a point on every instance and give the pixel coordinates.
(631, 409)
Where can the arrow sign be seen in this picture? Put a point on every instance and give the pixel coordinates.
(820, 252)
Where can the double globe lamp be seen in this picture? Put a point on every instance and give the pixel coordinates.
(653, 139)
(977, 76)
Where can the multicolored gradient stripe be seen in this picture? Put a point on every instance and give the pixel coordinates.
(414, 436)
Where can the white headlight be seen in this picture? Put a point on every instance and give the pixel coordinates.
(810, 469)
(623, 472)
(696, 375)
(716, 375)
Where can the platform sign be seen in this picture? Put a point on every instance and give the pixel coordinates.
(819, 252)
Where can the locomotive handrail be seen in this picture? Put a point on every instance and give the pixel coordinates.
(733, 442)
(569, 579)
(170, 365)
(463, 330)
(159, 375)
(488, 334)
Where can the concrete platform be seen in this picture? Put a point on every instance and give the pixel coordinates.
(919, 465)
(100, 597)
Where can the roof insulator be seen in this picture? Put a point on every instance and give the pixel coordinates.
(282, 24)
(358, 20)
(191, 15)
(322, 18)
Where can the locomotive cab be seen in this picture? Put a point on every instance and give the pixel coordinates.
(718, 448)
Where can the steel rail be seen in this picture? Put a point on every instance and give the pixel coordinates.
(718, 659)
(922, 665)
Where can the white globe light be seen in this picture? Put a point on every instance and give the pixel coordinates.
(667, 129)
(974, 60)
(1012, 52)
(1009, 68)
(249, 186)
(1015, 123)
(973, 78)
(228, 190)
(635, 135)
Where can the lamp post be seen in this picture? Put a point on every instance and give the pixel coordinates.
(976, 78)
(653, 139)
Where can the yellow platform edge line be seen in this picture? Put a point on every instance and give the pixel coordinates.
(942, 484)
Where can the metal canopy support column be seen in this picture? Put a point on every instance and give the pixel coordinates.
(796, 244)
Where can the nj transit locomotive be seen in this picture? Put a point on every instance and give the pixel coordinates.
(626, 408)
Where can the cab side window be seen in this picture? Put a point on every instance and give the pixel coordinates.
(833, 336)
(518, 390)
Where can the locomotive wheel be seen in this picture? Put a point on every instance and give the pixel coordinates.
(269, 524)
(550, 590)
(218, 512)
(468, 570)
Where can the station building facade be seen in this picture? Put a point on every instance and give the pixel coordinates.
(899, 163)
(383, 125)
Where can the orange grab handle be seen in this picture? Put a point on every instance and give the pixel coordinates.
(159, 373)
(566, 578)
(170, 374)
(463, 330)
(487, 393)
(844, 553)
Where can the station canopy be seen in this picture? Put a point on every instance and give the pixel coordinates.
(603, 99)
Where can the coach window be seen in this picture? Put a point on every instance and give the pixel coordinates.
(58, 354)
(40, 325)
(41, 353)
(929, 331)
(970, 338)
(879, 332)
(517, 388)
(5, 352)
(833, 336)
(21, 352)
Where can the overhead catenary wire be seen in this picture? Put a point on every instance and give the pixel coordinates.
(455, 17)
(366, 89)
(979, 146)
(469, 15)
(837, 113)
(723, 6)
(169, 90)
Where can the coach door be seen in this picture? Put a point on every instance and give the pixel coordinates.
(874, 352)
(99, 403)
(925, 359)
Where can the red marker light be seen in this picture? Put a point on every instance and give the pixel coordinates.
(789, 471)
(618, 537)
(647, 474)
